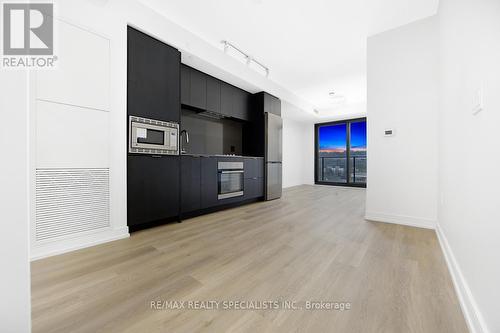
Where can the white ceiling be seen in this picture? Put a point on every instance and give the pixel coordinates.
(311, 47)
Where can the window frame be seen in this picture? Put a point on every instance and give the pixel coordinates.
(348, 122)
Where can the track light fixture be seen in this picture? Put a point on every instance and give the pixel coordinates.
(249, 60)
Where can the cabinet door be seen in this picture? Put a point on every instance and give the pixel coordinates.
(190, 183)
(198, 90)
(209, 182)
(226, 99)
(250, 168)
(259, 187)
(254, 188)
(213, 94)
(240, 108)
(254, 167)
(272, 104)
(235, 102)
(260, 167)
(247, 106)
(185, 84)
(152, 188)
(153, 87)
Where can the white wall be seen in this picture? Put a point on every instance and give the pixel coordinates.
(15, 310)
(403, 95)
(402, 91)
(298, 148)
(469, 215)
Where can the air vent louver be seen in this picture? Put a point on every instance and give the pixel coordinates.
(71, 201)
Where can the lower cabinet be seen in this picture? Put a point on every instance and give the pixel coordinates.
(254, 188)
(156, 192)
(200, 183)
(152, 188)
(209, 182)
(254, 167)
(254, 178)
(190, 183)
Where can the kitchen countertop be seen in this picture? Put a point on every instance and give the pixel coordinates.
(218, 155)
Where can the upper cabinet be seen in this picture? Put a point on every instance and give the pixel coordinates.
(198, 90)
(241, 104)
(265, 102)
(235, 102)
(226, 99)
(185, 84)
(153, 78)
(213, 94)
(204, 92)
(272, 104)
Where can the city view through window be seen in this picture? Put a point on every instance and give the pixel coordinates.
(341, 153)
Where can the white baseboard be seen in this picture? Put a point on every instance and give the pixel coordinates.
(39, 251)
(471, 312)
(411, 221)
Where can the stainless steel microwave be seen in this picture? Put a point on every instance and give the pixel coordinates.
(154, 137)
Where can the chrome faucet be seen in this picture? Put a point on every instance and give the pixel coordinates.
(186, 134)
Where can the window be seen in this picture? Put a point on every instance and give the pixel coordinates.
(341, 153)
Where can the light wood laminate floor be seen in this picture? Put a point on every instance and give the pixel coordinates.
(311, 245)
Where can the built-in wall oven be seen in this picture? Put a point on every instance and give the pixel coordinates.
(230, 179)
(155, 137)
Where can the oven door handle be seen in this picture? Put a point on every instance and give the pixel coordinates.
(232, 171)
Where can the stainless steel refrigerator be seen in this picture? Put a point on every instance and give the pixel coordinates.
(273, 156)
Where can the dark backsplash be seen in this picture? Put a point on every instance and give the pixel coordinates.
(211, 136)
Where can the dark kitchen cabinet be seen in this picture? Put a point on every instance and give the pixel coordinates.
(153, 89)
(198, 90)
(235, 102)
(272, 104)
(254, 167)
(254, 188)
(254, 131)
(190, 183)
(209, 182)
(265, 102)
(254, 178)
(226, 99)
(213, 95)
(241, 104)
(201, 91)
(185, 84)
(153, 189)
(253, 134)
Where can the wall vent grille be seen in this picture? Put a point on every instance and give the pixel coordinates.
(71, 201)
